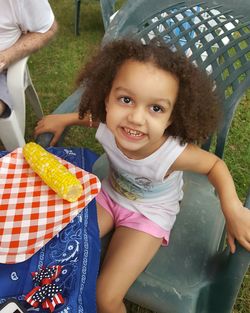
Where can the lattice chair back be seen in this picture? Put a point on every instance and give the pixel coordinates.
(213, 36)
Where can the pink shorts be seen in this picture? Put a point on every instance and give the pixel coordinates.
(127, 218)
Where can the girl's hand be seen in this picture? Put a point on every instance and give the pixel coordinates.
(55, 123)
(238, 227)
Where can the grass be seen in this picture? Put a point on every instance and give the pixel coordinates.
(54, 68)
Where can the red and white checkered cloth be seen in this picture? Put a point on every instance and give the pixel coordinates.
(31, 213)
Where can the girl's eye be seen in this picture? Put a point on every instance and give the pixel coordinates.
(156, 108)
(126, 100)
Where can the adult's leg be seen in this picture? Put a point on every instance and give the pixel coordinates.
(2, 107)
(128, 254)
(4, 96)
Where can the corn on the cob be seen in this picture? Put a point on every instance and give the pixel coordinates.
(52, 172)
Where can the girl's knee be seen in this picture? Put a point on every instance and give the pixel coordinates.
(107, 300)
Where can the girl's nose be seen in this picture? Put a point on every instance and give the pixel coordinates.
(136, 116)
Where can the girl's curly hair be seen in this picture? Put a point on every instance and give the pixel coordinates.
(196, 112)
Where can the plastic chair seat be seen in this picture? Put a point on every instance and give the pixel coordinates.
(192, 259)
(194, 241)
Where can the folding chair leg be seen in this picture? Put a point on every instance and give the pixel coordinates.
(77, 16)
(10, 133)
(34, 100)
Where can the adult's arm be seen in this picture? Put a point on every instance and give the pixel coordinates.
(27, 44)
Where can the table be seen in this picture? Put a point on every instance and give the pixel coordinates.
(76, 248)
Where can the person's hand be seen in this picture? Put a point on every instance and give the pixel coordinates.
(54, 124)
(238, 227)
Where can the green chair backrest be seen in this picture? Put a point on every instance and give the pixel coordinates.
(107, 9)
(214, 34)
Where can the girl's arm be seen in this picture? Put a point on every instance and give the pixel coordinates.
(237, 216)
(56, 123)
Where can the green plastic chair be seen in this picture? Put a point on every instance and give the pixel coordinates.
(107, 10)
(195, 273)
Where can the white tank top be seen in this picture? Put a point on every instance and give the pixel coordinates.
(139, 185)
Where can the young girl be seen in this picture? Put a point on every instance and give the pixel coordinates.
(152, 107)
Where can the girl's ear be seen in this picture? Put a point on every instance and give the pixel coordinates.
(171, 118)
(168, 124)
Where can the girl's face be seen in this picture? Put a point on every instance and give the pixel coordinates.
(139, 107)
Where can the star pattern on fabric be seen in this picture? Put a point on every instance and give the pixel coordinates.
(45, 293)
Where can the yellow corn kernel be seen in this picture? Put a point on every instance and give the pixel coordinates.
(52, 172)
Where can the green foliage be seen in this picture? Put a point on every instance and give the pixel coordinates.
(54, 68)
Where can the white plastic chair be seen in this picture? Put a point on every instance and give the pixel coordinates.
(19, 83)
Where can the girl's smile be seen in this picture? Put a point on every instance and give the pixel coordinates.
(132, 134)
(139, 107)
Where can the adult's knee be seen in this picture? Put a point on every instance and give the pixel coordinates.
(4, 109)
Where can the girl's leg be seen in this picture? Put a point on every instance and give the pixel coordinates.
(128, 254)
(105, 220)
